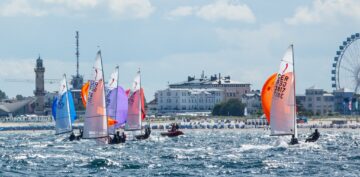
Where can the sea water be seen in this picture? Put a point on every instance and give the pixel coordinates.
(197, 153)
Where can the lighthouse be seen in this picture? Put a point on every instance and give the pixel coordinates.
(39, 87)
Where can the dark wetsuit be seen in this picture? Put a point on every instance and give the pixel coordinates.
(313, 137)
(72, 136)
(294, 140)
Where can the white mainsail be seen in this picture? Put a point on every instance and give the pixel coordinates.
(283, 112)
(95, 125)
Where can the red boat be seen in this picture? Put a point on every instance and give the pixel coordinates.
(172, 133)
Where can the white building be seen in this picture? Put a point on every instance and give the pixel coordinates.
(188, 100)
(232, 89)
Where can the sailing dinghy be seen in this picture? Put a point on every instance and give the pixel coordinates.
(116, 103)
(136, 109)
(96, 122)
(283, 103)
(63, 109)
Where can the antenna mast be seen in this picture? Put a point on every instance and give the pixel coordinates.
(77, 53)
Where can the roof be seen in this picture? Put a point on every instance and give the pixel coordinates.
(10, 107)
(206, 81)
(194, 90)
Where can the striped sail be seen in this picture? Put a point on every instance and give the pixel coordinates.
(95, 125)
(282, 114)
(62, 111)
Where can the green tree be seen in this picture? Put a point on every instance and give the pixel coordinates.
(19, 97)
(232, 107)
(216, 109)
(2, 95)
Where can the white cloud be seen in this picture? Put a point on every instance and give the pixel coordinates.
(20, 7)
(36, 8)
(325, 11)
(132, 8)
(218, 10)
(227, 11)
(74, 4)
(183, 11)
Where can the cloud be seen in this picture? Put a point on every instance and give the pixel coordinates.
(36, 8)
(74, 4)
(20, 7)
(325, 11)
(131, 8)
(182, 11)
(216, 11)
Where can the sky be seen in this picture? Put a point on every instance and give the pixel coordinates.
(170, 40)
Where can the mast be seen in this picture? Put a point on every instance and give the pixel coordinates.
(140, 111)
(116, 90)
(67, 101)
(77, 53)
(295, 127)
(104, 101)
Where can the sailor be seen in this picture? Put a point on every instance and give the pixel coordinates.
(293, 140)
(177, 126)
(173, 127)
(81, 134)
(123, 137)
(148, 131)
(72, 136)
(117, 138)
(313, 137)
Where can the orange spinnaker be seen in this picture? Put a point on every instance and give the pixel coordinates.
(84, 96)
(85, 93)
(111, 121)
(266, 95)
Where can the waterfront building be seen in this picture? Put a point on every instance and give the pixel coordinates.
(319, 102)
(346, 102)
(182, 100)
(252, 100)
(231, 89)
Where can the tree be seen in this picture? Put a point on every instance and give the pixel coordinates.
(2, 95)
(232, 107)
(19, 97)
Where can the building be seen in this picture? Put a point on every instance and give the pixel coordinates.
(10, 108)
(319, 102)
(231, 89)
(346, 102)
(182, 100)
(39, 87)
(252, 101)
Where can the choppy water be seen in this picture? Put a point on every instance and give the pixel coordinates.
(198, 153)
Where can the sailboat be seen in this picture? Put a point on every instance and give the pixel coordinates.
(116, 102)
(96, 122)
(283, 104)
(63, 109)
(136, 108)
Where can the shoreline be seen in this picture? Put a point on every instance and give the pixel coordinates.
(198, 124)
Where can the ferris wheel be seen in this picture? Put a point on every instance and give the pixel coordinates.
(346, 66)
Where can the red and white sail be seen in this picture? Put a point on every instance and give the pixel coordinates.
(95, 125)
(282, 114)
(135, 105)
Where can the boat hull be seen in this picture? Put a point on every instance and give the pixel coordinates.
(172, 134)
